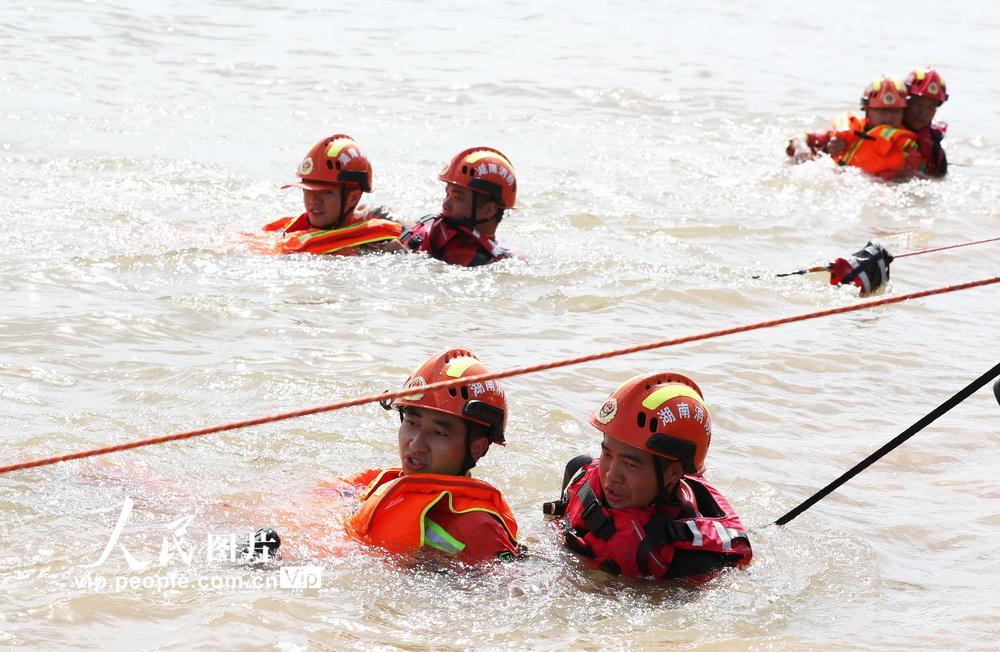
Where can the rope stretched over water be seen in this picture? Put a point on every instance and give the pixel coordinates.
(517, 371)
(954, 246)
(829, 266)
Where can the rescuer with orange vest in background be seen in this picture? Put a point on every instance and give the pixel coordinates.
(333, 176)
(879, 144)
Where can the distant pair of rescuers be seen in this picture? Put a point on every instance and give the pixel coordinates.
(480, 186)
(642, 509)
(897, 137)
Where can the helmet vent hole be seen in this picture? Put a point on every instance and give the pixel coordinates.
(465, 392)
(329, 164)
(652, 425)
(452, 391)
(641, 420)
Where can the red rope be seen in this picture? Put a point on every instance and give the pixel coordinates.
(954, 246)
(517, 371)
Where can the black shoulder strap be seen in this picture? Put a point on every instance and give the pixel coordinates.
(575, 468)
(660, 530)
(595, 518)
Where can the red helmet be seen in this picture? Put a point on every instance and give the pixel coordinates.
(484, 170)
(334, 162)
(483, 403)
(663, 414)
(884, 93)
(926, 82)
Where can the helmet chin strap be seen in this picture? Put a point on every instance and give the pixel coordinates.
(470, 221)
(343, 206)
(662, 494)
(469, 462)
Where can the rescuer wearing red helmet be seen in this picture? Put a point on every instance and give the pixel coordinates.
(333, 176)
(430, 500)
(480, 186)
(878, 144)
(643, 508)
(927, 92)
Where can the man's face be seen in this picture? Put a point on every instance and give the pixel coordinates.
(919, 112)
(431, 442)
(458, 203)
(627, 475)
(891, 117)
(323, 207)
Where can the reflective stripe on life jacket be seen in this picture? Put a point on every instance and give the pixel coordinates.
(347, 240)
(394, 508)
(883, 150)
(454, 244)
(366, 225)
(644, 541)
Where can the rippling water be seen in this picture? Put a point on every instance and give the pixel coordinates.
(138, 144)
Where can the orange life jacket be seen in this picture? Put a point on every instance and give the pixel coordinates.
(364, 226)
(882, 150)
(394, 506)
(347, 240)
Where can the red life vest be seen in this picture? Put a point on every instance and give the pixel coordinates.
(454, 244)
(881, 150)
(394, 506)
(651, 541)
(365, 226)
(934, 161)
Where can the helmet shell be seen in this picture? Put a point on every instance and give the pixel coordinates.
(334, 162)
(927, 82)
(484, 170)
(480, 402)
(884, 93)
(663, 414)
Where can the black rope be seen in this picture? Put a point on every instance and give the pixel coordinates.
(902, 437)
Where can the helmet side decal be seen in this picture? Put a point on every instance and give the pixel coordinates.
(416, 382)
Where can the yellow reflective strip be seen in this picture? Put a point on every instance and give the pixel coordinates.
(876, 84)
(846, 160)
(423, 516)
(338, 145)
(459, 366)
(319, 233)
(440, 539)
(664, 394)
(475, 156)
(451, 508)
